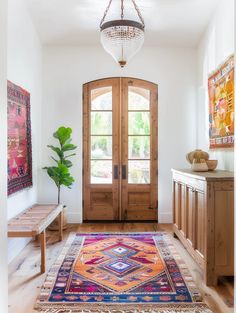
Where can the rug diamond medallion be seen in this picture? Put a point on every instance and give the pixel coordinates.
(130, 263)
(98, 271)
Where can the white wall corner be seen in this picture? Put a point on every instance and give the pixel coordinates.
(3, 157)
(165, 217)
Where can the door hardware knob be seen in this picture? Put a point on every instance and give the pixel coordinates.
(123, 171)
(116, 172)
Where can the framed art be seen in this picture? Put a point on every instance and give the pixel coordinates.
(221, 105)
(19, 139)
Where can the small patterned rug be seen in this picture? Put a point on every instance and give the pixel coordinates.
(120, 272)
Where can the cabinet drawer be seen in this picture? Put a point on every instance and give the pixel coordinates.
(192, 182)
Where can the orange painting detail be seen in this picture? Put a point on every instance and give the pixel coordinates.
(221, 105)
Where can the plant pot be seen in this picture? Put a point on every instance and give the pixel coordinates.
(55, 224)
(199, 166)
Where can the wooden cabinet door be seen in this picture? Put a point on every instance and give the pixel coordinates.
(120, 150)
(200, 223)
(183, 214)
(190, 215)
(177, 203)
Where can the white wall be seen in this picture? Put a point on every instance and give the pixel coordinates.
(216, 45)
(66, 69)
(24, 69)
(3, 157)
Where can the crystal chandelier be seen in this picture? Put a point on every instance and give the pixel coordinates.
(122, 38)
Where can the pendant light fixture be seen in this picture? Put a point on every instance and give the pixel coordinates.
(122, 38)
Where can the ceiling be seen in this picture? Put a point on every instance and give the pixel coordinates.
(76, 22)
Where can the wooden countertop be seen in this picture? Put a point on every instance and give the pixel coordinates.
(210, 175)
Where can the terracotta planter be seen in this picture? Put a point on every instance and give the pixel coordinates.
(55, 224)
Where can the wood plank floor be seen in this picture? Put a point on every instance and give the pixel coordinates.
(25, 280)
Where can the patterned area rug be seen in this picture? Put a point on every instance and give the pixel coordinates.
(124, 272)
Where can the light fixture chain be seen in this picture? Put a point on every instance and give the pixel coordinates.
(122, 9)
(105, 13)
(138, 12)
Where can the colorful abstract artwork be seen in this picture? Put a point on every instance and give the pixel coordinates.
(136, 270)
(221, 106)
(19, 139)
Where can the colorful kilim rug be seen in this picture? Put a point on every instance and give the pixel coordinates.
(125, 272)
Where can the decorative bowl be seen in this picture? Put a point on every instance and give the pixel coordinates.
(212, 164)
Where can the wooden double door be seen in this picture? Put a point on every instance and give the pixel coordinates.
(120, 150)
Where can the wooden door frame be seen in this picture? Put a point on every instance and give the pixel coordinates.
(154, 136)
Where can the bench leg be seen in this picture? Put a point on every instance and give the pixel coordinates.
(43, 251)
(60, 220)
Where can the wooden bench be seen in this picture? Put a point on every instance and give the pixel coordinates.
(33, 222)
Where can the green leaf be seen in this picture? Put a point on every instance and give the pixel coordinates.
(67, 181)
(67, 163)
(57, 150)
(70, 155)
(68, 147)
(62, 168)
(54, 159)
(63, 134)
(54, 173)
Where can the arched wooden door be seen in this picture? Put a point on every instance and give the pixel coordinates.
(120, 150)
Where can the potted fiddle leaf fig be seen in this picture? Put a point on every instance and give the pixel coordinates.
(60, 171)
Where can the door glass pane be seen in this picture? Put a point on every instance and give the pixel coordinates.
(139, 172)
(138, 98)
(139, 147)
(101, 98)
(139, 123)
(101, 147)
(101, 172)
(101, 123)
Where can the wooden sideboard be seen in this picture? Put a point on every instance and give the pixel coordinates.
(203, 219)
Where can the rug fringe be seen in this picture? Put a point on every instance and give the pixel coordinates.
(125, 311)
(179, 308)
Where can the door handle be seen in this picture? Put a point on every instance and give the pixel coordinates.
(123, 171)
(116, 172)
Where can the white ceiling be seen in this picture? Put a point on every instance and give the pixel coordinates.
(76, 22)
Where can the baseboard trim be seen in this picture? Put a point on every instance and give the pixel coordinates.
(74, 218)
(15, 246)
